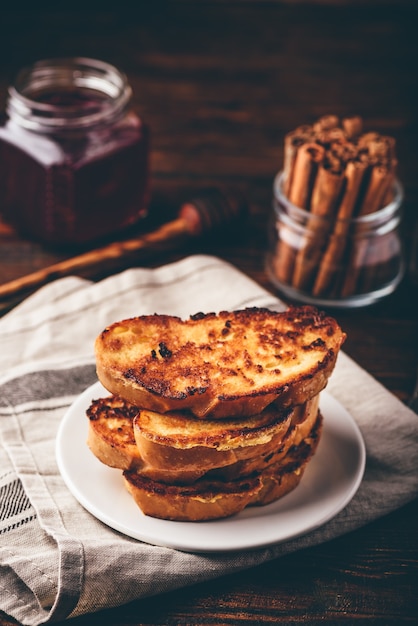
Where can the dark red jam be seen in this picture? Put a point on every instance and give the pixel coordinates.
(73, 166)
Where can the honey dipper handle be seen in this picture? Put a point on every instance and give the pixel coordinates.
(212, 209)
(92, 258)
(208, 210)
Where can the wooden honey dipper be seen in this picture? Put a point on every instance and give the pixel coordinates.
(209, 210)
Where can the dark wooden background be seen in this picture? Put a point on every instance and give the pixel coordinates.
(220, 83)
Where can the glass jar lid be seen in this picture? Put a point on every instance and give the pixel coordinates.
(68, 93)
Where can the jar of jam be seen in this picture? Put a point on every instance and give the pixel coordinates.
(74, 156)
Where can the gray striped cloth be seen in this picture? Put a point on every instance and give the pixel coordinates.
(56, 559)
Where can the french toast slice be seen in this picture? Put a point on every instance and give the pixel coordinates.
(230, 364)
(211, 499)
(180, 441)
(282, 477)
(110, 433)
(111, 439)
(304, 417)
(186, 455)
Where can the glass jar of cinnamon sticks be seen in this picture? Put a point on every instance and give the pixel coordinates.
(335, 233)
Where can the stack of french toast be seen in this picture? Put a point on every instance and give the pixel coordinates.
(214, 413)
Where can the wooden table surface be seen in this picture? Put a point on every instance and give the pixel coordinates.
(220, 83)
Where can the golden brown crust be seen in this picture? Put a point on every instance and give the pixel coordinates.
(188, 504)
(180, 441)
(111, 439)
(115, 439)
(304, 418)
(232, 364)
(183, 430)
(280, 477)
(110, 434)
(210, 499)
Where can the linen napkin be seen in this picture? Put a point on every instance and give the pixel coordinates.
(56, 559)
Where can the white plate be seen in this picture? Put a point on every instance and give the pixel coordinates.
(330, 481)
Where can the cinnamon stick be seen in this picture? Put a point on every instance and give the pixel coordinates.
(283, 259)
(337, 244)
(380, 179)
(326, 122)
(292, 142)
(328, 185)
(344, 151)
(353, 126)
(380, 148)
(307, 158)
(329, 136)
(304, 169)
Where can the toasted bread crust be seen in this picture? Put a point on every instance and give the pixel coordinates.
(292, 466)
(231, 364)
(182, 442)
(189, 446)
(182, 430)
(110, 434)
(206, 499)
(180, 505)
(304, 418)
(111, 439)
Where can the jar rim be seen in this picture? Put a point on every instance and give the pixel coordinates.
(79, 73)
(365, 220)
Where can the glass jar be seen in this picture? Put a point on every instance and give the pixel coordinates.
(334, 262)
(73, 155)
